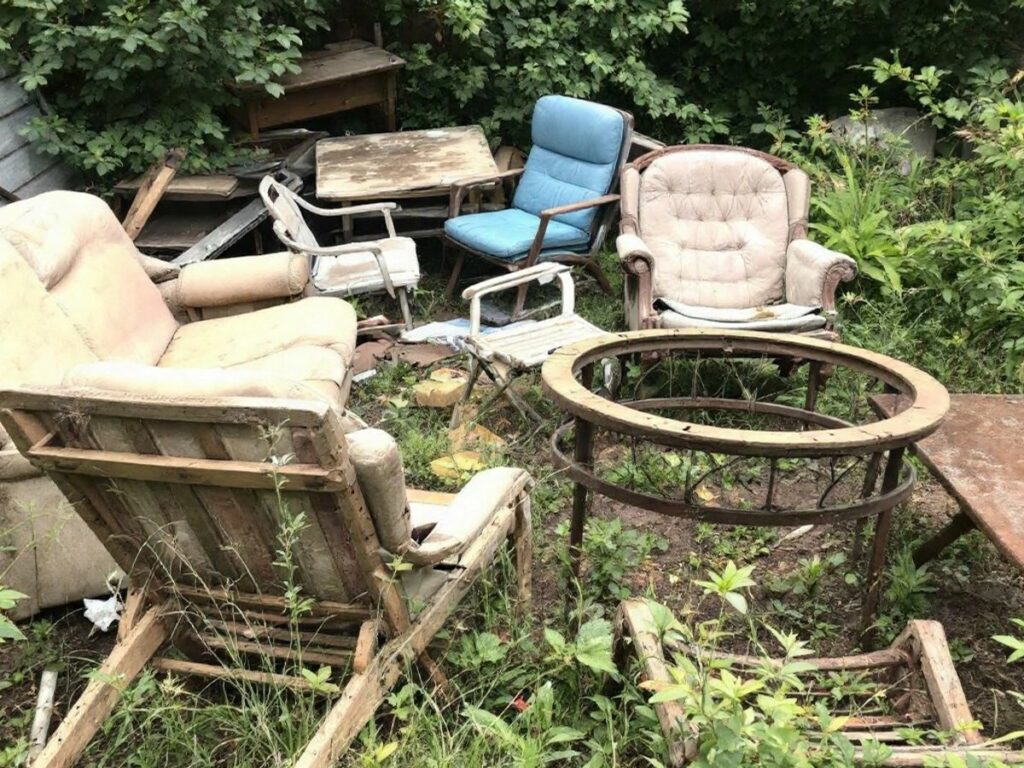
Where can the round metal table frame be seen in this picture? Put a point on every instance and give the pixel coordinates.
(568, 378)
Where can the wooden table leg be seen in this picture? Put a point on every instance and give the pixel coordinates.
(390, 105)
(877, 564)
(953, 530)
(584, 454)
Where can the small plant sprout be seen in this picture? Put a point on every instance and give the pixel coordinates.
(728, 584)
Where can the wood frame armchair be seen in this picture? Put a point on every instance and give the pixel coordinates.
(188, 497)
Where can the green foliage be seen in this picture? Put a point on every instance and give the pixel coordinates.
(690, 70)
(126, 81)
(1015, 644)
(8, 629)
(611, 552)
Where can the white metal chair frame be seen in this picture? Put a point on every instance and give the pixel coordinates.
(275, 194)
(520, 348)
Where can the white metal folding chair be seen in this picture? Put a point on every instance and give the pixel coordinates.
(505, 354)
(388, 265)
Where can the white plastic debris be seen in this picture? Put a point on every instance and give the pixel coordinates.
(103, 613)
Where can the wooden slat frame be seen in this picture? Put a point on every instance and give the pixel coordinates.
(65, 430)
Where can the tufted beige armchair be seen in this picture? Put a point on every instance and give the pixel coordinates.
(716, 237)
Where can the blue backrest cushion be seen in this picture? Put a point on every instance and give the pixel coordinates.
(575, 156)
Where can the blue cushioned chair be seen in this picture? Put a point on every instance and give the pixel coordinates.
(564, 201)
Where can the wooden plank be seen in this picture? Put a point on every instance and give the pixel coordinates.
(19, 168)
(634, 619)
(12, 96)
(123, 664)
(312, 552)
(338, 658)
(10, 129)
(385, 166)
(57, 176)
(324, 609)
(944, 689)
(217, 672)
(154, 184)
(225, 474)
(332, 67)
(326, 99)
(227, 234)
(207, 185)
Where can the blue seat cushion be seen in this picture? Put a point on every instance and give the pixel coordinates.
(576, 150)
(509, 234)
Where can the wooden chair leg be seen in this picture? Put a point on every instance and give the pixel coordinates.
(517, 311)
(100, 697)
(453, 281)
(522, 534)
(953, 530)
(599, 275)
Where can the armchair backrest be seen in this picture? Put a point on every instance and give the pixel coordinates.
(194, 495)
(718, 221)
(578, 149)
(73, 282)
(284, 209)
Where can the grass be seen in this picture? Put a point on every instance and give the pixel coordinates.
(533, 693)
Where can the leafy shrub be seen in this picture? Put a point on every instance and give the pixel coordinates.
(692, 70)
(125, 81)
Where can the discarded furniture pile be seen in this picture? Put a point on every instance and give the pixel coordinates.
(167, 404)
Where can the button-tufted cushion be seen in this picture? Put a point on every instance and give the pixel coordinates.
(717, 223)
(575, 157)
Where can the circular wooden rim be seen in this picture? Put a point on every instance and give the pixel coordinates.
(928, 406)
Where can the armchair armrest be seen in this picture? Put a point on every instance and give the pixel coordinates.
(549, 213)
(542, 273)
(473, 507)
(813, 273)
(461, 186)
(638, 263)
(249, 278)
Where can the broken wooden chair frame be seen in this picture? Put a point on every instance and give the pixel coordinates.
(915, 675)
(568, 378)
(140, 470)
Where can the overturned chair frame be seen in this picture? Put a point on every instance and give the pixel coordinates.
(189, 498)
(915, 674)
(505, 354)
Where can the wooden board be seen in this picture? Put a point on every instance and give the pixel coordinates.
(24, 171)
(976, 456)
(213, 185)
(354, 59)
(386, 166)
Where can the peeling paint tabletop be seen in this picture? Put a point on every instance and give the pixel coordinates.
(388, 166)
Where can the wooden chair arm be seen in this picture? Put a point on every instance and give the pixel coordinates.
(461, 186)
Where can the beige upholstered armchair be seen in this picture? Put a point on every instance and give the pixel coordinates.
(81, 307)
(716, 236)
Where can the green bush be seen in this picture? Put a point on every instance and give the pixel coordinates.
(126, 80)
(690, 71)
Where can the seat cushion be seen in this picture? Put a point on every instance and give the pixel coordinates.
(312, 340)
(575, 156)
(785, 318)
(354, 273)
(509, 234)
(717, 223)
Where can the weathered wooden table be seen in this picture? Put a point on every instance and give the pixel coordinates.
(977, 457)
(410, 165)
(876, 448)
(347, 76)
(394, 166)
